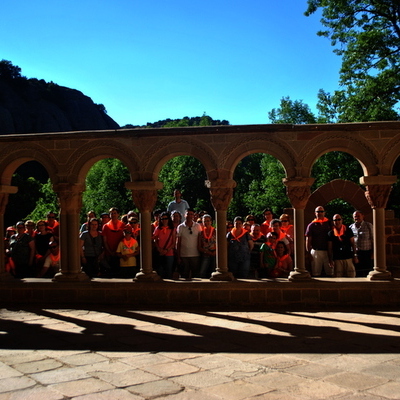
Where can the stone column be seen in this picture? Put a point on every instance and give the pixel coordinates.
(377, 194)
(221, 191)
(5, 191)
(70, 198)
(144, 194)
(299, 190)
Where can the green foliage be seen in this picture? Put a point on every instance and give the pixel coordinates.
(47, 202)
(9, 71)
(366, 34)
(187, 174)
(259, 185)
(336, 165)
(291, 112)
(105, 188)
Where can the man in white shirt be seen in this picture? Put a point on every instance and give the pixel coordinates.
(187, 245)
(178, 204)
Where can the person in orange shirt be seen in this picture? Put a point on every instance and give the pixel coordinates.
(265, 226)
(113, 233)
(53, 224)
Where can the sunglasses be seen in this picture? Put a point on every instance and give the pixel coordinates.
(319, 211)
(133, 222)
(52, 247)
(337, 219)
(164, 219)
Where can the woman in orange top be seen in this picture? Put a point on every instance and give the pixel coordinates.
(164, 238)
(284, 263)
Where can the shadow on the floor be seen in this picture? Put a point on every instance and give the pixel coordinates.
(149, 332)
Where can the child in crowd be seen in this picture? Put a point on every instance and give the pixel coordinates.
(127, 251)
(267, 256)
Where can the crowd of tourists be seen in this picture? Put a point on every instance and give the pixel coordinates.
(185, 243)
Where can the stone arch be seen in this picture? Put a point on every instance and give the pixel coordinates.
(250, 144)
(390, 154)
(13, 156)
(338, 189)
(352, 145)
(85, 157)
(168, 148)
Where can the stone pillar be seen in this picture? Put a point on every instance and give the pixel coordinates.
(377, 194)
(70, 198)
(299, 190)
(144, 194)
(221, 191)
(5, 191)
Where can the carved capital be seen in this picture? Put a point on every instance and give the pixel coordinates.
(221, 192)
(145, 200)
(70, 197)
(378, 195)
(144, 194)
(298, 190)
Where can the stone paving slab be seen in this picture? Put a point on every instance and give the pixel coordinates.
(203, 354)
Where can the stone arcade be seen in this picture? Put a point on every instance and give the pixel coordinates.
(68, 156)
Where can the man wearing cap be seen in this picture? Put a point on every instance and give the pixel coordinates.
(317, 243)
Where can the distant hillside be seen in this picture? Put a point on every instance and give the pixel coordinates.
(34, 106)
(204, 120)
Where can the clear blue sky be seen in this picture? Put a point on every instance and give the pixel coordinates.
(148, 60)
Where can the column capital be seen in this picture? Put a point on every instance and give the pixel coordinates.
(70, 197)
(378, 189)
(298, 190)
(221, 191)
(144, 194)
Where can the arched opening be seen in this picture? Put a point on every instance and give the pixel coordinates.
(105, 188)
(393, 202)
(337, 165)
(259, 185)
(32, 180)
(188, 174)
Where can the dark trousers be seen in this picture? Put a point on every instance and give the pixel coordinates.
(365, 263)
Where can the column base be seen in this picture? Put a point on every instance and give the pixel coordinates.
(299, 276)
(71, 277)
(379, 276)
(152, 277)
(222, 276)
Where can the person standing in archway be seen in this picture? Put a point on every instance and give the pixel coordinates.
(178, 204)
(317, 243)
(364, 238)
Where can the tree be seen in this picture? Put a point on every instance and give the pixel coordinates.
(9, 71)
(105, 188)
(47, 202)
(187, 174)
(292, 112)
(367, 36)
(259, 185)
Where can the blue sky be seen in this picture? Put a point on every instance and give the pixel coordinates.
(157, 59)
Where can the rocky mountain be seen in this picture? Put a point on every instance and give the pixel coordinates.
(34, 106)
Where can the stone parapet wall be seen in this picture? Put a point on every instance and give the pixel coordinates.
(321, 292)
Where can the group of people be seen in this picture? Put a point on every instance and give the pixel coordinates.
(337, 249)
(32, 249)
(185, 244)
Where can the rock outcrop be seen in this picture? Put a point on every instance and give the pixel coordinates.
(34, 106)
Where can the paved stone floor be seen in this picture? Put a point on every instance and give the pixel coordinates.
(208, 354)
